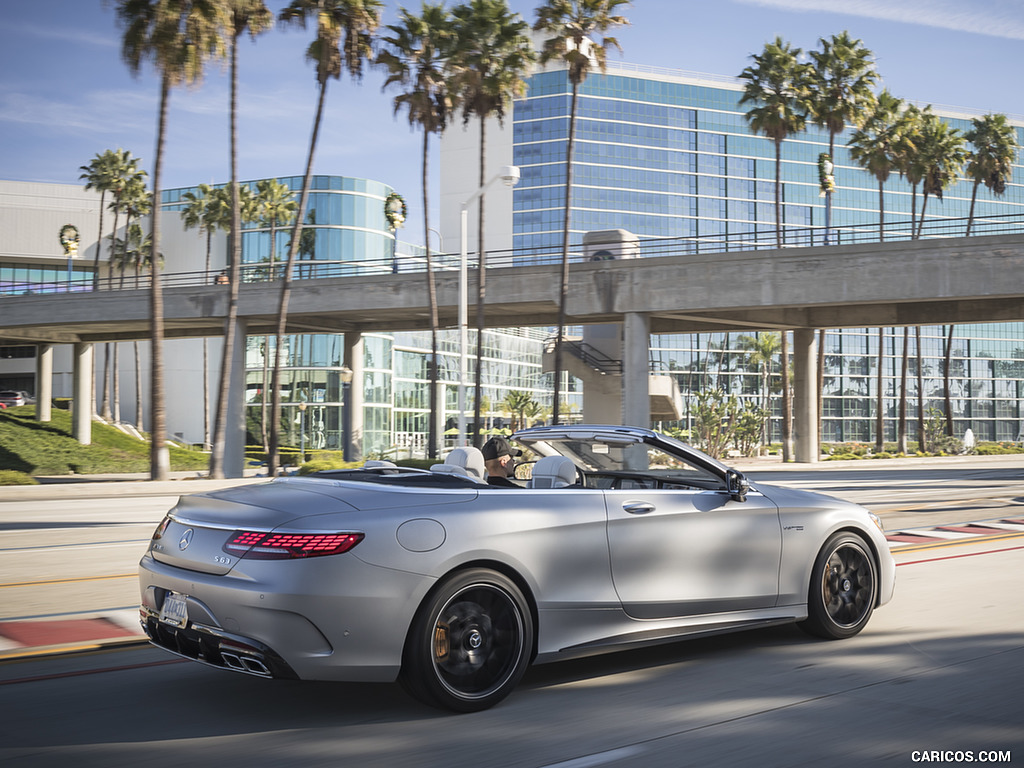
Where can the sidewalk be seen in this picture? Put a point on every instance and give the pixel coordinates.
(21, 640)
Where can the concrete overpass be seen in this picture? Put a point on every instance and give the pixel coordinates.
(935, 281)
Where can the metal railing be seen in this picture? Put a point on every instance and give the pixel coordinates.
(314, 269)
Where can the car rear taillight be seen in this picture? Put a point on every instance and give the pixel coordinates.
(256, 545)
(162, 528)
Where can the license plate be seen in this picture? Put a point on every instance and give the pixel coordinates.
(174, 610)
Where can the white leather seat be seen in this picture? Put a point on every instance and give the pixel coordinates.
(470, 459)
(553, 472)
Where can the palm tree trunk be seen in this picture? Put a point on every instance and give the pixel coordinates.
(787, 403)
(105, 402)
(207, 442)
(286, 286)
(881, 212)
(921, 437)
(778, 194)
(970, 211)
(920, 221)
(432, 447)
(913, 211)
(138, 388)
(116, 411)
(880, 394)
(563, 292)
(266, 348)
(947, 374)
(159, 464)
(105, 398)
(478, 377)
(901, 429)
(99, 246)
(220, 425)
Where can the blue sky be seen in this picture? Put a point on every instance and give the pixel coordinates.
(65, 94)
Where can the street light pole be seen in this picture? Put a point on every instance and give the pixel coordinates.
(510, 175)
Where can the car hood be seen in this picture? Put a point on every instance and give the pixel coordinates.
(794, 499)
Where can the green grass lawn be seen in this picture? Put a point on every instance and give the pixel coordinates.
(49, 449)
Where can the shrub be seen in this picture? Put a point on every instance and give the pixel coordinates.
(13, 477)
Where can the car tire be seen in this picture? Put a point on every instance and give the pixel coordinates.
(843, 589)
(470, 643)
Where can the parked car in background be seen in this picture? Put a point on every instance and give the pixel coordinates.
(13, 397)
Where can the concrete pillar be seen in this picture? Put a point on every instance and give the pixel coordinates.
(353, 413)
(636, 332)
(82, 404)
(44, 381)
(805, 395)
(234, 428)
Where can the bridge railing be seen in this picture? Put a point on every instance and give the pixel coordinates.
(316, 269)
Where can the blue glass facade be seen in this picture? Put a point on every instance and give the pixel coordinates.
(346, 231)
(670, 156)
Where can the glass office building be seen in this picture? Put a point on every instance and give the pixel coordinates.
(668, 154)
(346, 233)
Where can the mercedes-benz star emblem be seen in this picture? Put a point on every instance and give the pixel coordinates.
(186, 539)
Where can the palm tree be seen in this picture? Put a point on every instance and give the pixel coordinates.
(842, 77)
(416, 59)
(776, 85)
(202, 212)
(909, 153)
(109, 172)
(491, 57)
(877, 144)
(991, 161)
(517, 402)
(877, 147)
(761, 351)
(97, 176)
(932, 159)
(570, 27)
(941, 155)
(841, 81)
(275, 205)
(179, 36)
(343, 40)
(243, 16)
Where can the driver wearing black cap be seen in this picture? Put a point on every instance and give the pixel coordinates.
(499, 460)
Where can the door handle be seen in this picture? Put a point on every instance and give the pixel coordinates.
(638, 507)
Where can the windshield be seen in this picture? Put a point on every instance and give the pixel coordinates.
(597, 455)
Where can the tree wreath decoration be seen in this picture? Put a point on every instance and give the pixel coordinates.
(69, 239)
(395, 210)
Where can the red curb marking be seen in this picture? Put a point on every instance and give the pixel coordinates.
(38, 633)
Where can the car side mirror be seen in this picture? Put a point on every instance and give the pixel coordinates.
(737, 484)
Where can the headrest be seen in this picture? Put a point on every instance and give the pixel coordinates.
(553, 472)
(469, 458)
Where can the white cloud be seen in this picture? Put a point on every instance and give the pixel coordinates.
(996, 18)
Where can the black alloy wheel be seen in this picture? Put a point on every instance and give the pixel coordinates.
(470, 644)
(843, 588)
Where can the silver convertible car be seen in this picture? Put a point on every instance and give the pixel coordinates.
(621, 537)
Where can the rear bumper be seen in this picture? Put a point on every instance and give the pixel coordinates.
(215, 647)
(301, 626)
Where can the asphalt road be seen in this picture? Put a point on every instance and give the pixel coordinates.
(938, 671)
